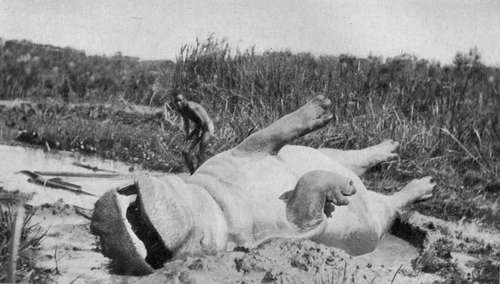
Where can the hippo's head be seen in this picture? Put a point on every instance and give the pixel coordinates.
(140, 226)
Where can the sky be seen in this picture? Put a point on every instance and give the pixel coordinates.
(431, 29)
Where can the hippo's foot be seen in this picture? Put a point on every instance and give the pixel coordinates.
(417, 190)
(383, 152)
(311, 116)
(375, 155)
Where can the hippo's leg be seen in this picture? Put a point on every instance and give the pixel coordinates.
(361, 160)
(416, 190)
(385, 207)
(309, 117)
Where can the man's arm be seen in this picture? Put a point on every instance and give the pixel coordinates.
(205, 119)
(186, 125)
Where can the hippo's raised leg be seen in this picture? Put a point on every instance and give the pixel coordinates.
(313, 115)
(361, 160)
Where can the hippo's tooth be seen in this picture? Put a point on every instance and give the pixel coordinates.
(328, 208)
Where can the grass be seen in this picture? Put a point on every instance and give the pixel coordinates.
(31, 237)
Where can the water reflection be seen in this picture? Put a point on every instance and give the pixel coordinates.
(15, 158)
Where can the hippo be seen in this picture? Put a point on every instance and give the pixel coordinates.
(264, 188)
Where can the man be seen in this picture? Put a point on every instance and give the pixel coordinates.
(203, 129)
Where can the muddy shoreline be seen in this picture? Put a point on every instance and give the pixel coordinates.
(69, 253)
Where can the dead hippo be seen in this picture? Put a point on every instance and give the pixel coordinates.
(259, 190)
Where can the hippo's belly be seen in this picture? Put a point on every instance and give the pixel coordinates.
(248, 189)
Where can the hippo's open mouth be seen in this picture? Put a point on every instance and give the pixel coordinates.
(157, 252)
(329, 207)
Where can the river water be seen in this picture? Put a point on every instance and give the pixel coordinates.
(15, 158)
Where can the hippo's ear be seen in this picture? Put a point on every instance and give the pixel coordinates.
(286, 196)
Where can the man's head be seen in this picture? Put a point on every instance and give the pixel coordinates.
(180, 101)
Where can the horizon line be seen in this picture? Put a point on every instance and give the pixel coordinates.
(258, 52)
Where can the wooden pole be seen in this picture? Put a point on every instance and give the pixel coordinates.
(15, 240)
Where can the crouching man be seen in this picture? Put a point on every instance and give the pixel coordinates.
(202, 132)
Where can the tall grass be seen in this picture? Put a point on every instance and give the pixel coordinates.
(438, 109)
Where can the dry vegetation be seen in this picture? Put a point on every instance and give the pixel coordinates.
(445, 117)
(31, 235)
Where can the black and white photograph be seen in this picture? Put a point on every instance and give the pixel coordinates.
(250, 141)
